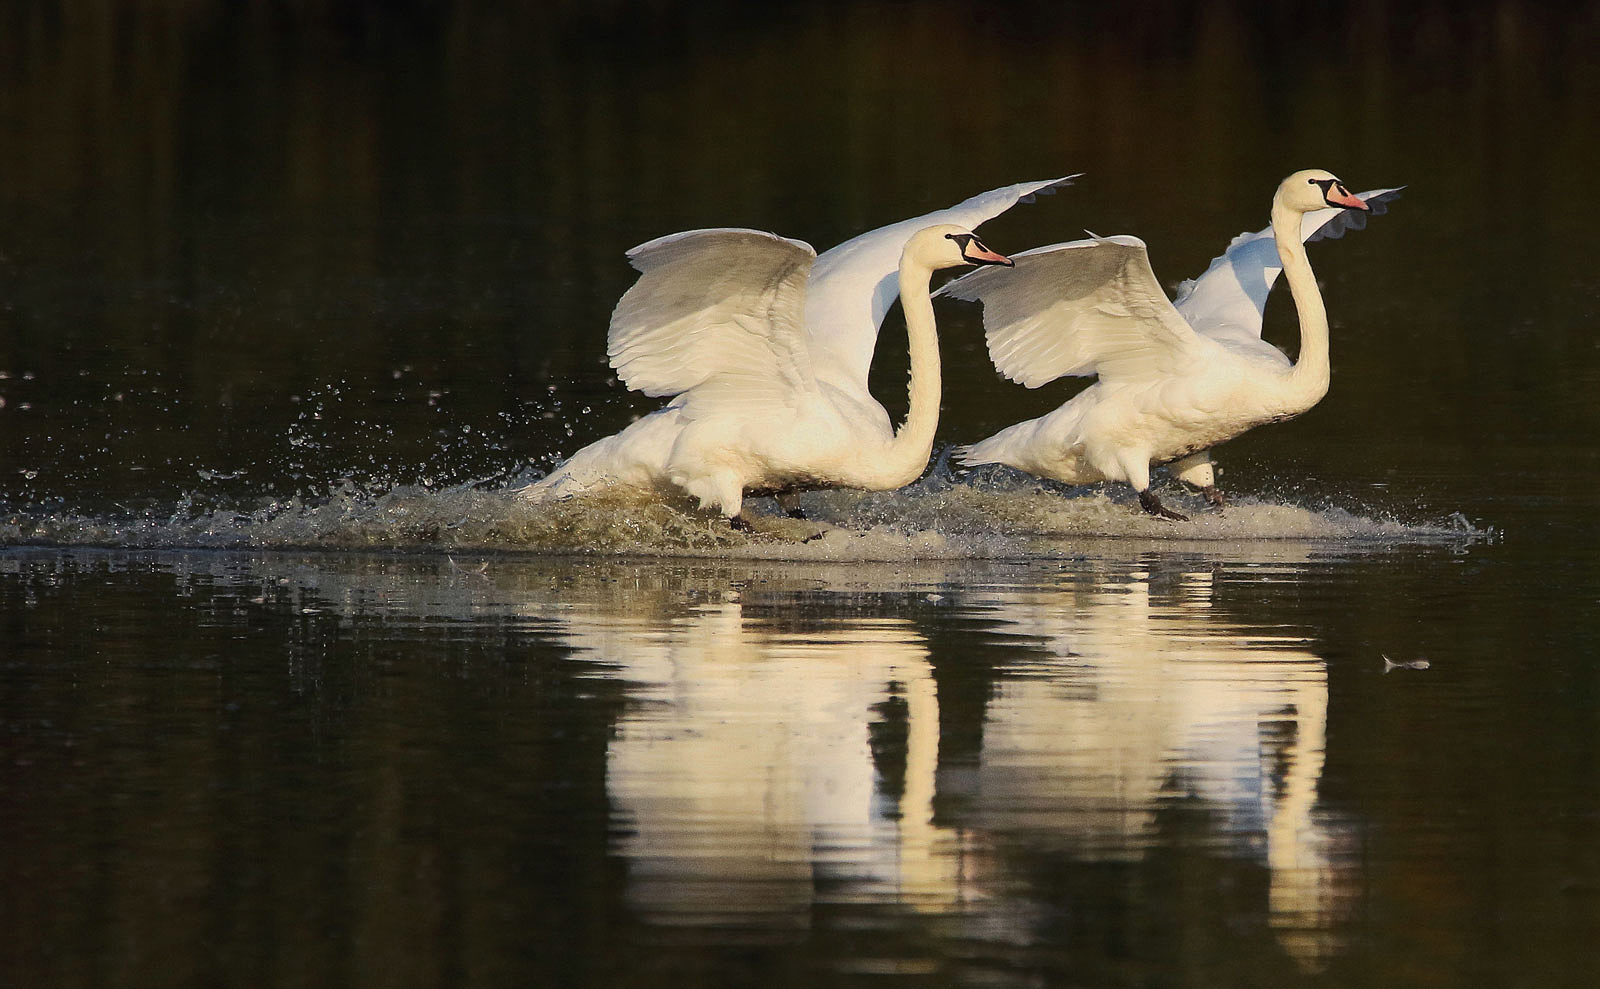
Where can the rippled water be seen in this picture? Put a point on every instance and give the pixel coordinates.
(1139, 762)
(293, 691)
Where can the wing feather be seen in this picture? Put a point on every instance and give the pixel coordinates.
(716, 313)
(854, 284)
(1084, 307)
(1231, 296)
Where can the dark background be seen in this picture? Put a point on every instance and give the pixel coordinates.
(314, 240)
(254, 249)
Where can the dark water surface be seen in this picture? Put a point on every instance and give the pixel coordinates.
(292, 692)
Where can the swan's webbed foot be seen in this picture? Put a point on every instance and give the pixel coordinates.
(790, 506)
(741, 524)
(1214, 497)
(1152, 505)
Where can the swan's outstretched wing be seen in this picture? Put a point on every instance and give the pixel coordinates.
(717, 312)
(1086, 307)
(854, 285)
(1229, 299)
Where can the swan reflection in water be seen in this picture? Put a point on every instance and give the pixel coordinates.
(762, 759)
(780, 747)
(747, 770)
(1142, 698)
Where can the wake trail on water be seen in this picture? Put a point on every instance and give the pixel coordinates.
(937, 518)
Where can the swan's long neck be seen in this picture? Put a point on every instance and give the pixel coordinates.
(904, 459)
(1308, 381)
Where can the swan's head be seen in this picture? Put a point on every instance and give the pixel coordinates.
(946, 245)
(1313, 189)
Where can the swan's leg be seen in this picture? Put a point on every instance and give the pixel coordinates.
(791, 507)
(731, 495)
(1197, 471)
(723, 489)
(789, 502)
(1137, 468)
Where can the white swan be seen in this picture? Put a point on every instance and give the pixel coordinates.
(1175, 379)
(766, 347)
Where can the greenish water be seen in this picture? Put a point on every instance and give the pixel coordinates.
(292, 692)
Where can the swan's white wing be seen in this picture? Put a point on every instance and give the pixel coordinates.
(1231, 296)
(717, 312)
(854, 285)
(1086, 307)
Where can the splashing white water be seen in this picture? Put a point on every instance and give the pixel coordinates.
(934, 519)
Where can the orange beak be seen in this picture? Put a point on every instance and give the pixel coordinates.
(978, 254)
(1349, 200)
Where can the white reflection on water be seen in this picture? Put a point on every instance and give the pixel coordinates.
(747, 768)
(1143, 698)
(781, 748)
(745, 777)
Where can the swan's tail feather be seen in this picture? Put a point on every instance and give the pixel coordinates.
(599, 465)
(559, 485)
(1017, 445)
(973, 455)
(635, 457)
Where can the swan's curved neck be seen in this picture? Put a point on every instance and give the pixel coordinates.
(1308, 381)
(905, 457)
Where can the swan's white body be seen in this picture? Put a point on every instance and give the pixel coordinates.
(1175, 379)
(766, 347)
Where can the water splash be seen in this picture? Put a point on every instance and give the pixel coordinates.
(938, 518)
